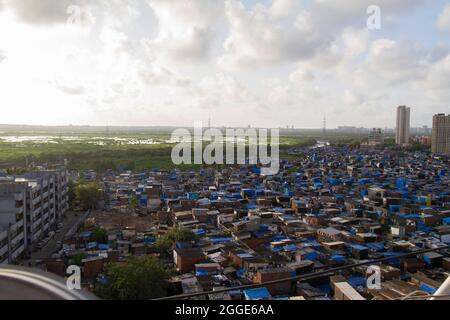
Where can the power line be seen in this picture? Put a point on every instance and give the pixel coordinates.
(304, 277)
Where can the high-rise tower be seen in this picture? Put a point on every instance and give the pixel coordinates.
(440, 137)
(403, 126)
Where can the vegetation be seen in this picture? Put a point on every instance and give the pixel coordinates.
(88, 194)
(76, 260)
(167, 242)
(123, 151)
(99, 235)
(72, 186)
(139, 279)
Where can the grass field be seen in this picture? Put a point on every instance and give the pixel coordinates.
(100, 151)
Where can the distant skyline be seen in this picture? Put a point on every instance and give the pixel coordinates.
(261, 63)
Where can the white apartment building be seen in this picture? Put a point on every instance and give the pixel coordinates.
(13, 226)
(402, 130)
(440, 138)
(29, 206)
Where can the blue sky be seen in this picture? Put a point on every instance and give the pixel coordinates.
(267, 63)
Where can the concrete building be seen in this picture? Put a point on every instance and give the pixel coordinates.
(13, 223)
(440, 138)
(29, 207)
(376, 137)
(403, 126)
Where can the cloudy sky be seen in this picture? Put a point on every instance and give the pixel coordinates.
(268, 63)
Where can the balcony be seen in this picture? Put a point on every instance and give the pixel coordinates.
(36, 201)
(18, 251)
(37, 223)
(3, 250)
(36, 235)
(18, 237)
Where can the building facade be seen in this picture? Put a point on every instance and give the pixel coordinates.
(403, 126)
(376, 137)
(440, 138)
(13, 222)
(30, 206)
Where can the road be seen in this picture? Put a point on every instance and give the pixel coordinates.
(46, 252)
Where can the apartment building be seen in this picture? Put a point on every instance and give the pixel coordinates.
(376, 136)
(13, 226)
(29, 207)
(440, 139)
(402, 130)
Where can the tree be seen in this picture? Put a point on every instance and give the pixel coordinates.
(167, 241)
(139, 279)
(76, 260)
(99, 235)
(134, 202)
(72, 191)
(88, 194)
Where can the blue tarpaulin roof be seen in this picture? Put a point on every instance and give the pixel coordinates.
(149, 240)
(86, 234)
(257, 294)
(200, 232)
(337, 257)
(91, 245)
(201, 273)
(427, 288)
(103, 246)
(290, 247)
(376, 246)
(221, 240)
(356, 281)
(358, 247)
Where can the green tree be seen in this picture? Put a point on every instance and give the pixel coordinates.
(72, 186)
(99, 235)
(167, 241)
(134, 202)
(139, 279)
(76, 260)
(88, 195)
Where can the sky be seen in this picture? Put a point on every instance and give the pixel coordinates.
(268, 63)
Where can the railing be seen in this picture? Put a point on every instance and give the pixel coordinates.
(319, 274)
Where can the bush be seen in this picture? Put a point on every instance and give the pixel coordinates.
(139, 279)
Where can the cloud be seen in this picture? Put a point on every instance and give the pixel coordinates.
(258, 38)
(437, 81)
(75, 90)
(283, 8)
(82, 12)
(346, 13)
(185, 30)
(396, 61)
(42, 12)
(443, 21)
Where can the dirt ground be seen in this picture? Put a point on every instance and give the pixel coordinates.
(115, 220)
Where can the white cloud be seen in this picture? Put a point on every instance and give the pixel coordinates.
(185, 30)
(337, 13)
(443, 21)
(257, 39)
(173, 62)
(283, 8)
